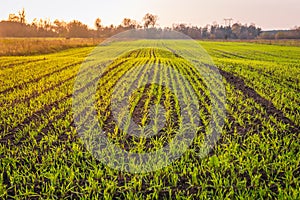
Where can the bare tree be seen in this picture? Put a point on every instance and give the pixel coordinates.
(22, 16)
(13, 18)
(150, 19)
(98, 23)
(129, 23)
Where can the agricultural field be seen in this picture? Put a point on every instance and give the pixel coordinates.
(256, 157)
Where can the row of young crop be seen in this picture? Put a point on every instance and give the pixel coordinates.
(277, 80)
(46, 159)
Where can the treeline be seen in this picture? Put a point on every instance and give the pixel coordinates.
(17, 26)
(236, 31)
(281, 34)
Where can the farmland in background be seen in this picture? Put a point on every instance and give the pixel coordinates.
(257, 156)
(35, 46)
(278, 42)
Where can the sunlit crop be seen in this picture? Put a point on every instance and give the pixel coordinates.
(257, 156)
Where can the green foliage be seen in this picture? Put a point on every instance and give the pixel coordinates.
(257, 157)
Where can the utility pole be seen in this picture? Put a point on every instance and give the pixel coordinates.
(228, 21)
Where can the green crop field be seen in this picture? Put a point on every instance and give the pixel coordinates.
(256, 157)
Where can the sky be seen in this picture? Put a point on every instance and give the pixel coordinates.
(267, 14)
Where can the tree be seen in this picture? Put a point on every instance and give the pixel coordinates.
(213, 30)
(129, 23)
(60, 27)
(236, 30)
(253, 32)
(77, 29)
(98, 23)
(126, 22)
(34, 23)
(205, 33)
(150, 19)
(13, 18)
(22, 16)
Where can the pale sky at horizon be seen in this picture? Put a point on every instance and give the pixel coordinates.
(267, 14)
